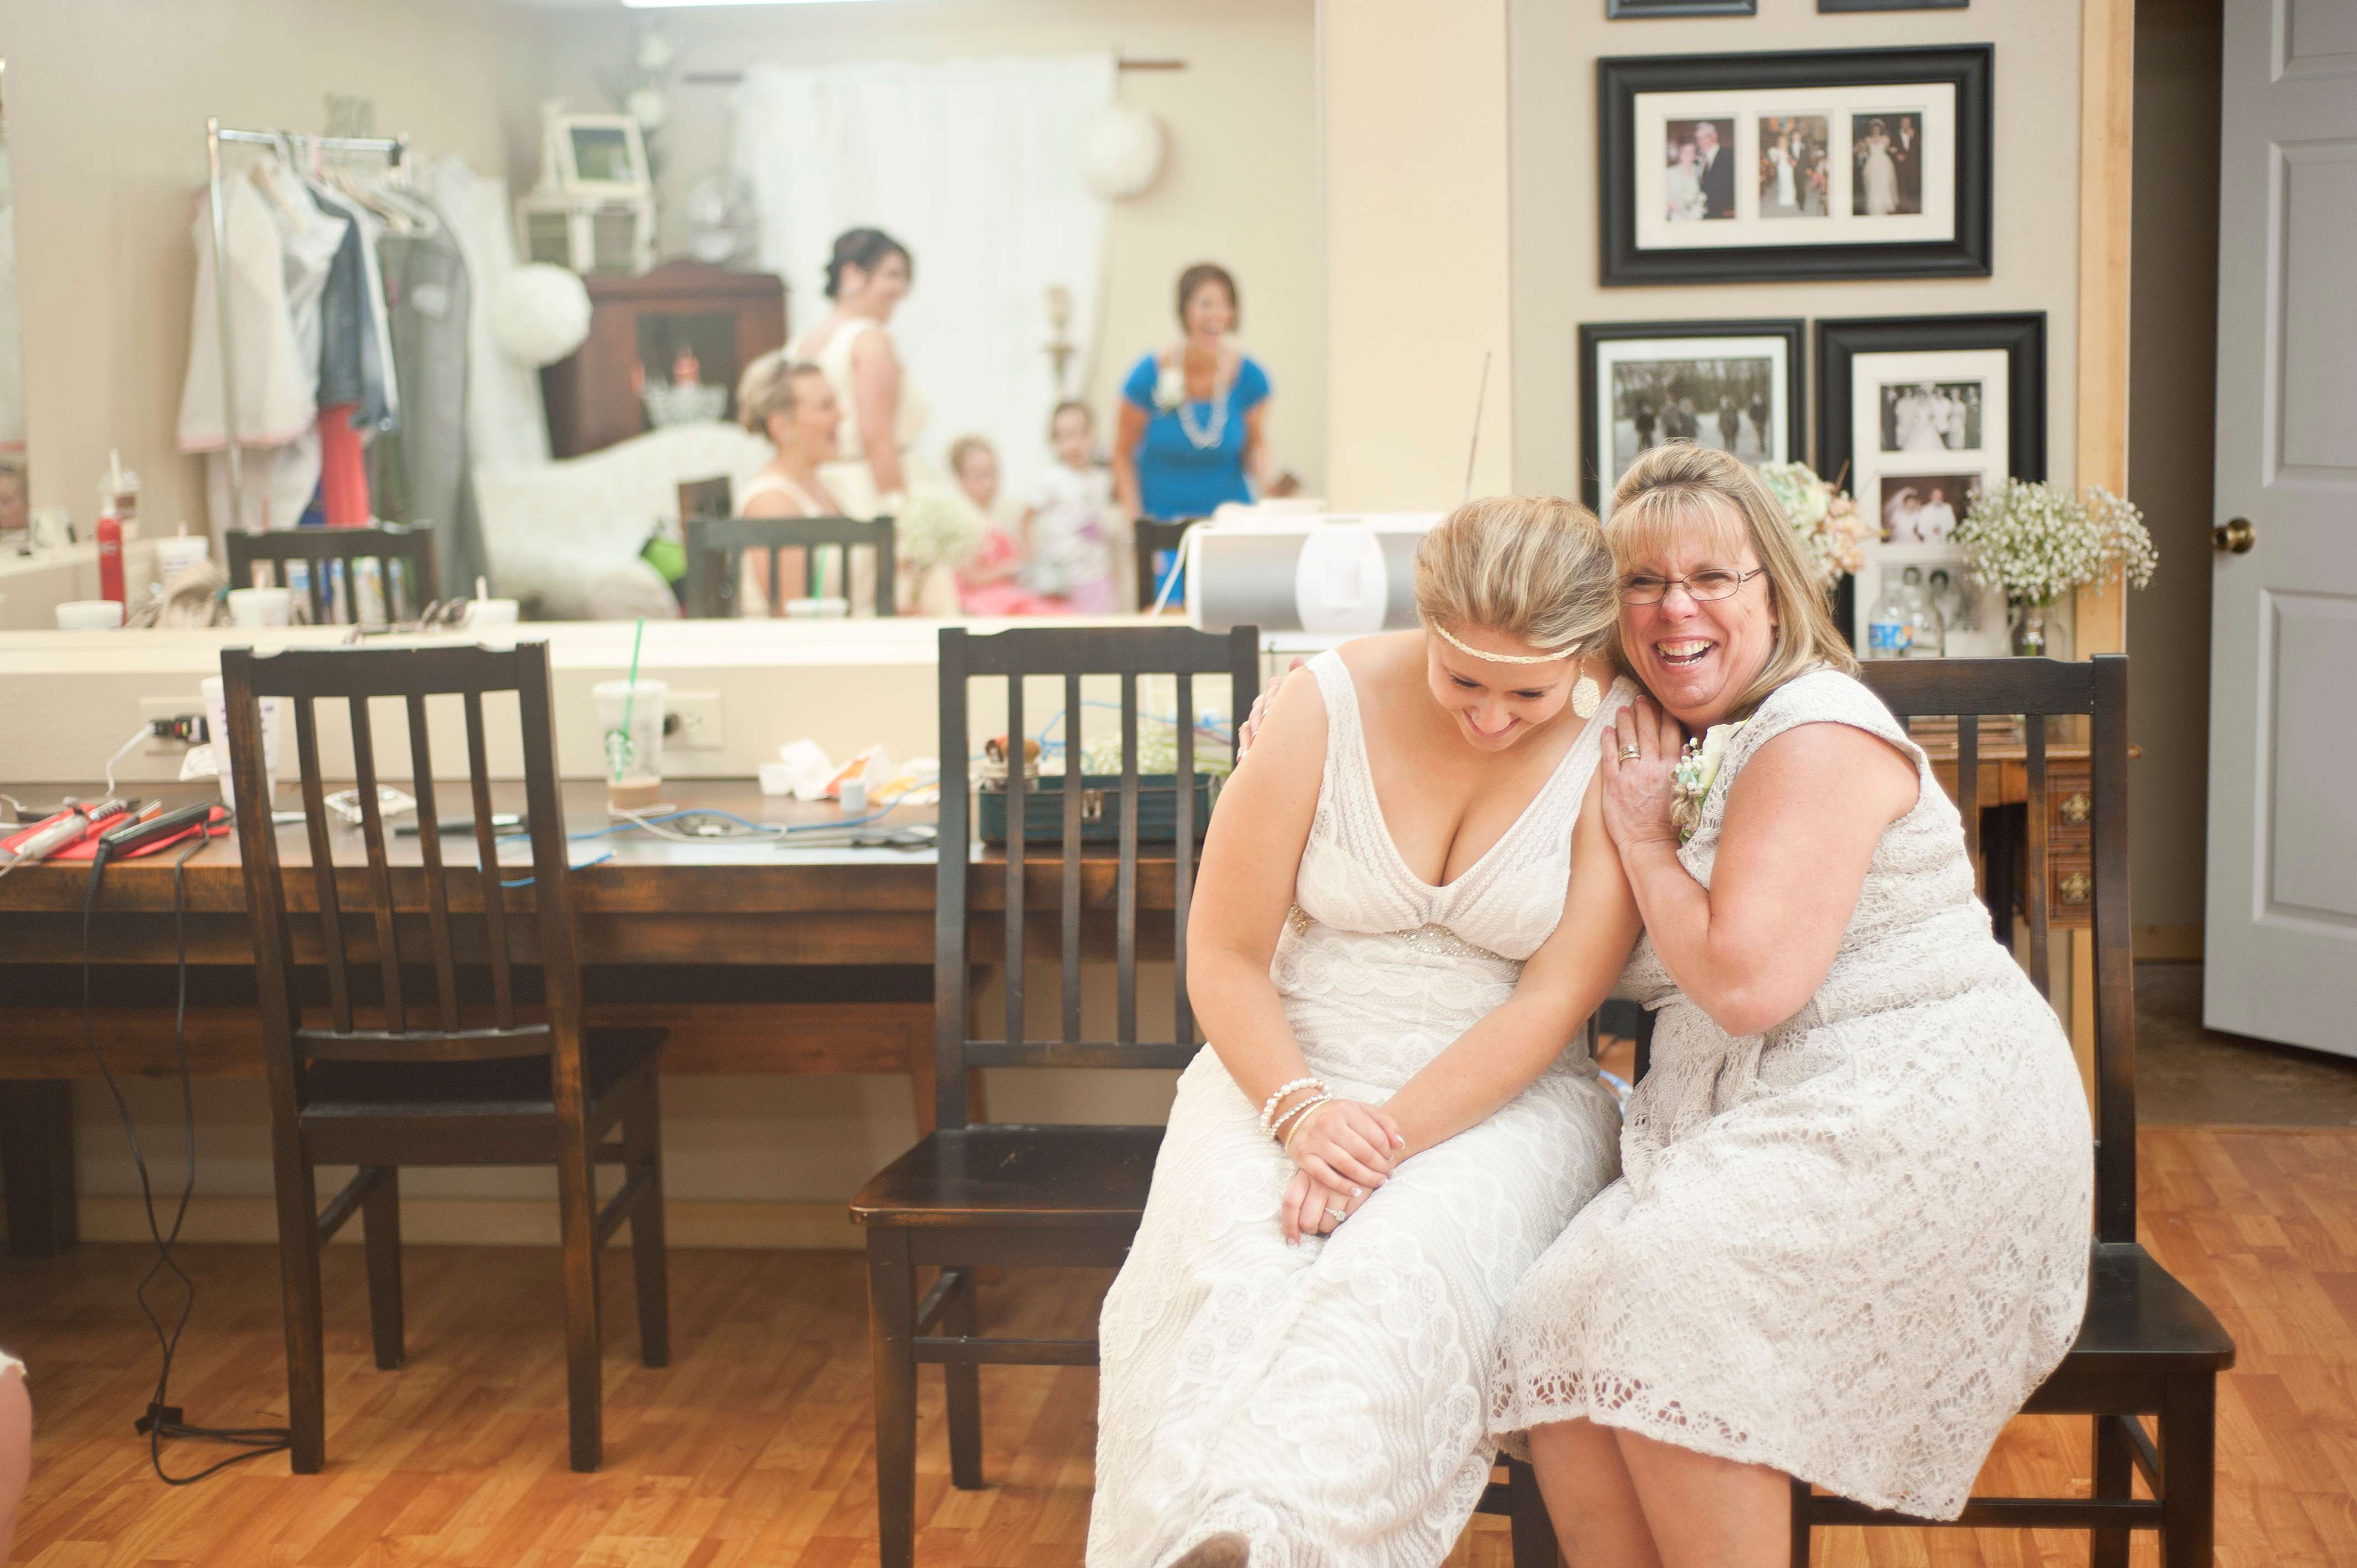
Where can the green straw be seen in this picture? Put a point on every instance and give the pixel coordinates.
(630, 698)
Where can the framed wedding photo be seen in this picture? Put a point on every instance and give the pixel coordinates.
(1732, 385)
(1815, 164)
(1618, 10)
(1918, 414)
(1827, 5)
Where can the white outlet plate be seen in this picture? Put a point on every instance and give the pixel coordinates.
(153, 708)
(699, 721)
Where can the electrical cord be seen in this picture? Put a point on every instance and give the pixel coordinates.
(163, 1420)
(143, 733)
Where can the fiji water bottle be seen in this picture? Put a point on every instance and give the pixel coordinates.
(1890, 628)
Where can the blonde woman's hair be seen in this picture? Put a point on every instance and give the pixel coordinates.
(766, 388)
(1535, 568)
(1679, 485)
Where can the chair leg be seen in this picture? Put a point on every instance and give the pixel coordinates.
(642, 1149)
(578, 1207)
(2188, 1468)
(892, 1319)
(2114, 1478)
(961, 1316)
(1800, 1522)
(381, 1220)
(1532, 1530)
(299, 1282)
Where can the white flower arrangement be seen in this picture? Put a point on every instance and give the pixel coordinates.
(1696, 771)
(1826, 522)
(938, 529)
(2035, 543)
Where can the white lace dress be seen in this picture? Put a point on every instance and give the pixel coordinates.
(1327, 1400)
(1849, 1248)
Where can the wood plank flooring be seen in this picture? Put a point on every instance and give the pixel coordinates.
(752, 1447)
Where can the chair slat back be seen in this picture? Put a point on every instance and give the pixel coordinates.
(717, 549)
(416, 1026)
(2037, 690)
(1153, 537)
(1071, 653)
(386, 543)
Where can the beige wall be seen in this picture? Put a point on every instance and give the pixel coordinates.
(1239, 183)
(107, 100)
(2172, 356)
(1417, 249)
(1555, 48)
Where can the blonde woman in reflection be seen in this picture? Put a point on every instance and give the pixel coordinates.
(794, 405)
(1407, 909)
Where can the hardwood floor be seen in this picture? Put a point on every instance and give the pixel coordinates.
(752, 1447)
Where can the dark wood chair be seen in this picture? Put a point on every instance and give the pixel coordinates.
(716, 547)
(405, 1069)
(387, 543)
(2147, 1346)
(974, 1193)
(1154, 537)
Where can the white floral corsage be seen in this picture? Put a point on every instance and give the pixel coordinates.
(1697, 770)
(1170, 387)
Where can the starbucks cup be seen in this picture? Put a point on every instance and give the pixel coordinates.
(629, 730)
(261, 606)
(217, 727)
(176, 553)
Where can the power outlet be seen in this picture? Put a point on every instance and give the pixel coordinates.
(698, 725)
(154, 708)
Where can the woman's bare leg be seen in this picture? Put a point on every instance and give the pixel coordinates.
(1590, 1498)
(1707, 1512)
(15, 1452)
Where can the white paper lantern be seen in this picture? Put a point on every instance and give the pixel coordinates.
(1121, 151)
(540, 313)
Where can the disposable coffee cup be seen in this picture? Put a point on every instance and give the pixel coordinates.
(90, 615)
(492, 621)
(217, 728)
(176, 553)
(261, 606)
(629, 729)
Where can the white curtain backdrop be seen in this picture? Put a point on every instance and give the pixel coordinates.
(974, 165)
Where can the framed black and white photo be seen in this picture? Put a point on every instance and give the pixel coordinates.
(1918, 414)
(1616, 10)
(1732, 385)
(1833, 164)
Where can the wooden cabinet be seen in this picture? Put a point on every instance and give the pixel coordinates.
(640, 328)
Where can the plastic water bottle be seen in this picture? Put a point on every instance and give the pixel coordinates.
(1891, 626)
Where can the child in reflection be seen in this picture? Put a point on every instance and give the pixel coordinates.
(988, 583)
(1070, 529)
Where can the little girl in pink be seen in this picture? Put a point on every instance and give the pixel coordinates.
(989, 582)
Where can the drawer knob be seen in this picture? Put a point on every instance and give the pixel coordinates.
(2074, 808)
(2075, 888)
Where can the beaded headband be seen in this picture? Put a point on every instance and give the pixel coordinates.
(1571, 650)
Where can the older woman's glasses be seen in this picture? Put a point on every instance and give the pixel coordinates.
(1710, 582)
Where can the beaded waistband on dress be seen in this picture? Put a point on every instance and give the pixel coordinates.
(1436, 940)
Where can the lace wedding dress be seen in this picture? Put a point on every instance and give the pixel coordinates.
(1327, 1400)
(1849, 1248)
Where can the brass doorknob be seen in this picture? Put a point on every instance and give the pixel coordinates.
(2233, 537)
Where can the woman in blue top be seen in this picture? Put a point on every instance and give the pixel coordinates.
(1191, 415)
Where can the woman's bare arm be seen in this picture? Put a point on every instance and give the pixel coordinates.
(1128, 435)
(876, 404)
(1562, 983)
(1255, 454)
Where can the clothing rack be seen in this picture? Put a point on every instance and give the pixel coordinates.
(394, 148)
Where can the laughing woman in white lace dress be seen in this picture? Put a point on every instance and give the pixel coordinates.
(1850, 1235)
(1407, 909)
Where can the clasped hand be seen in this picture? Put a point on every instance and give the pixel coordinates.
(1344, 1150)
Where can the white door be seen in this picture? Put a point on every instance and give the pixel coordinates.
(2281, 943)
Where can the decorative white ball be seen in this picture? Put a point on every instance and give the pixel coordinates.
(1121, 151)
(650, 106)
(540, 313)
(655, 50)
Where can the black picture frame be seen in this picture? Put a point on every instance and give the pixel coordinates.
(1593, 335)
(1839, 340)
(1832, 5)
(1970, 69)
(1625, 10)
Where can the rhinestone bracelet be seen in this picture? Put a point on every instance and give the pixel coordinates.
(1268, 1111)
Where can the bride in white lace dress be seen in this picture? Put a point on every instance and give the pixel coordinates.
(1851, 1231)
(1407, 909)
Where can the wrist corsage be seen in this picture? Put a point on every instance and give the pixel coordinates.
(1697, 770)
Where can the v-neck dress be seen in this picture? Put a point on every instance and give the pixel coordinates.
(1326, 1401)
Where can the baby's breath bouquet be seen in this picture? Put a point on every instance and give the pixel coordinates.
(2037, 543)
(1825, 522)
(937, 529)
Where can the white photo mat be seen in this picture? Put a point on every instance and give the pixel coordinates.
(1934, 100)
(1876, 473)
(1613, 353)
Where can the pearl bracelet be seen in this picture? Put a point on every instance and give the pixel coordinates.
(1300, 1117)
(1268, 1111)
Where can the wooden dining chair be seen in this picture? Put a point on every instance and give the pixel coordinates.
(976, 1194)
(1152, 539)
(317, 548)
(2147, 1347)
(407, 1068)
(717, 549)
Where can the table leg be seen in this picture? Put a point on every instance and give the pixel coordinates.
(37, 1162)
